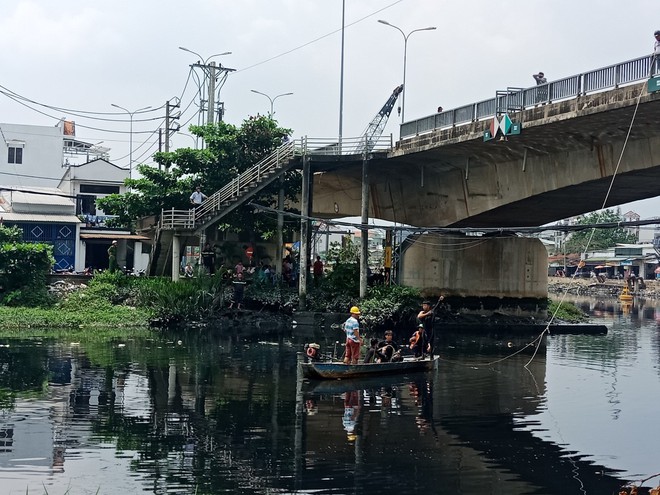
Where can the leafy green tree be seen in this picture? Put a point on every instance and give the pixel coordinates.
(229, 151)
(599, 238)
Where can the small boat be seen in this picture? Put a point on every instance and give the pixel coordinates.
(336, 370)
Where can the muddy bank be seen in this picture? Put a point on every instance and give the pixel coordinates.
(590, 287)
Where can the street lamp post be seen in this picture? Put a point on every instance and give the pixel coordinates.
(272, 100)
(405, 54)
(130, 135)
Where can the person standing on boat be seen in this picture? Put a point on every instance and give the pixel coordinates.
(426, 317)
(353, 339)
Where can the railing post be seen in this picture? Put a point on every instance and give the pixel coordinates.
(580, 84)
(617, 75)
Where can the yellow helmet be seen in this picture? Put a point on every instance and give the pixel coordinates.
(355, 310)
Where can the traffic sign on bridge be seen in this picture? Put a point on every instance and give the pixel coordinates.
(503, 124)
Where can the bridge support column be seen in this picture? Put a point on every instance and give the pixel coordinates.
(486, 275)
(304, 235)
(364, 235)
(280, 236)
(176, 257)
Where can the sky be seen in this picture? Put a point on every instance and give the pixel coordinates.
(75, 58)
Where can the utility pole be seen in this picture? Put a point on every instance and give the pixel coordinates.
(210, 116)
(168, 122)
(216, 81)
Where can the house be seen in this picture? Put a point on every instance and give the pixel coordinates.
(45, 215)
(49, 183)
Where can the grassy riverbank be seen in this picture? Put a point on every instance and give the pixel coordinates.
(114, 301)
(98, 316)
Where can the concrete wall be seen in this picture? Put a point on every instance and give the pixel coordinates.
(507, 269)
(42, 155)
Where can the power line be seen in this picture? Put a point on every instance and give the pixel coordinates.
(319, 38)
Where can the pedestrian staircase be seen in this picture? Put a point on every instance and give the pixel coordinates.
(190, 225)
(245, 186)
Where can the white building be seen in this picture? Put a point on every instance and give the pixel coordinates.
(49, 189)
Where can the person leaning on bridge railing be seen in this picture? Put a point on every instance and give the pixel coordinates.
(541, 93)
(655, 63)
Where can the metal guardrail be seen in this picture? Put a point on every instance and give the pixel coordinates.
(347, 146)
(594, 81)
(177, 219)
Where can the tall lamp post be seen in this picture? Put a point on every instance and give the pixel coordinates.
(272, 100)
(405, 52)
(130, 152)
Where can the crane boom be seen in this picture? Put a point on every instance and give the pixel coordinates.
(377, 124)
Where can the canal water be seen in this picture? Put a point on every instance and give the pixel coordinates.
(221, 410)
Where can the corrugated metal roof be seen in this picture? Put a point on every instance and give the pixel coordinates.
(38, 196)
(37, 218)
(114, 235)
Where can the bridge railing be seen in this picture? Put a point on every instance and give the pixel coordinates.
(593, 81)
(348, 145)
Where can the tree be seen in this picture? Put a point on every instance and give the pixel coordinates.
(229, 151)
(598, 238)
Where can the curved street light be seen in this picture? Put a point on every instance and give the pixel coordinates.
(130, 133)
(272, 100)
(405, 51)
(202, 58)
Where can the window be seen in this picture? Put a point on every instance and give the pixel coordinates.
(15, 155)
(99, 189)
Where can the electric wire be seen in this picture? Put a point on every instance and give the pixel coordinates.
(317, 39)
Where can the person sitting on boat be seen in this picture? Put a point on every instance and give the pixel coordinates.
(386, 348)
(353, 339)
(417, 341)
(370, 356)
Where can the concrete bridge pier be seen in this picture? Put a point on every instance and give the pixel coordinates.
(480, 275)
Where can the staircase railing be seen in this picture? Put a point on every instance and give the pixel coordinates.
(177, 219)
(280, 157)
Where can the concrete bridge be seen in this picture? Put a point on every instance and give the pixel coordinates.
(560, 165)
(577, 134)
(581, 134)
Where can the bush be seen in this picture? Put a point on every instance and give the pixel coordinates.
(23, 270)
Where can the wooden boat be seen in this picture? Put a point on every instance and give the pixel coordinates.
(336, 370)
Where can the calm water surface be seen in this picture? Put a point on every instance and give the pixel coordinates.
(217, 411)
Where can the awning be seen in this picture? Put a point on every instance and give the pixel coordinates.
(114, 236)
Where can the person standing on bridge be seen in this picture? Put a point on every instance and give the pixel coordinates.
(655, 62)
(541, 93)
(197, 197)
